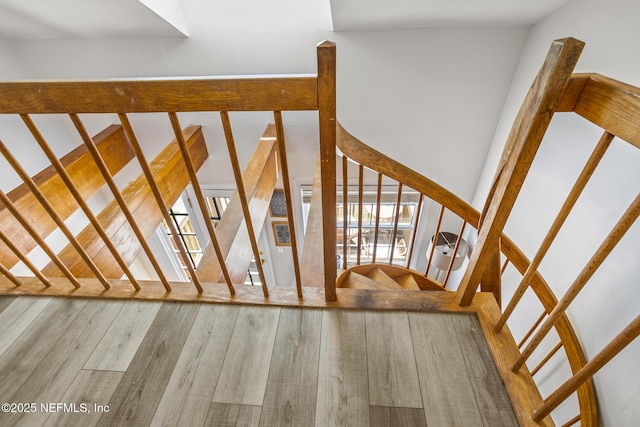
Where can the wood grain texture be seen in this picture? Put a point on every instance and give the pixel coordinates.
(393, 376)
(120, 343)
(91, 388)
(570, 342)
(158, 95)
(20, 360)
(116, 152)
(246, 364)
(172, 178)
(56, 372)
(279, 295)
(6, 302)
(522, 144)
(613, 106)
(230, 415)
(343, 391)
(326, 54)
(259, 179)
(17, 317)
(437, 352)
(290, 395)
(379, 275)
(381, 416)
(188, 395)
(138, 394)
(375, 160)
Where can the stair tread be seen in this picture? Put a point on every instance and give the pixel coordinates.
(382, 277)
(359, 281)
(408, 282)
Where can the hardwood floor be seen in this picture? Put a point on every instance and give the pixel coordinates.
(107, 363)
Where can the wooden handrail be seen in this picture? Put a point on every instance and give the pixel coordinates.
(370, 158)
(523, 142)
(160, 95)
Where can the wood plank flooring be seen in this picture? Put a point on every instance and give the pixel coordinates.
(132, 363)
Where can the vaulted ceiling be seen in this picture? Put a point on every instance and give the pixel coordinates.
(63, 19)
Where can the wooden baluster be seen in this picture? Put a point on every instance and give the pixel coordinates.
(614, 347)
(416, 219)
(565, 210)
(153, 185)
(104, 170)
(546, 359)
(377, 226)
(39, 240)
(6, 273)
(572, 421)
(395, 224)
(327, 121)
(523, 142)
(22, 257)
(64, 175)
(625, 222)
(360, 205)
(504, 266)
(345, 210)
(235, 164)
(434, 240)
(455, 252)
(202, 203)
(284, 169)
(532, 330)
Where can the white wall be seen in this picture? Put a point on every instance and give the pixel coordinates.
(609, 302)
(429, 98)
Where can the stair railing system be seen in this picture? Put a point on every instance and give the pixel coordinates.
(407, 179)
(25, 227)
(613, 106)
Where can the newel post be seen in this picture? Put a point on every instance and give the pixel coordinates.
(327, 120)
(522, 144)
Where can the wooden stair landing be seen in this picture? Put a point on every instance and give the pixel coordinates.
(193, 364)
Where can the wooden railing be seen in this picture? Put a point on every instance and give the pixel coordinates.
(96, 258)
(43, 203)
(613, 106)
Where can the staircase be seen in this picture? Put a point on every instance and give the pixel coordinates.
(386, 277)
(96, 262)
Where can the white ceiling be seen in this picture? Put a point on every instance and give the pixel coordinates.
(65, 19)
(387, 14)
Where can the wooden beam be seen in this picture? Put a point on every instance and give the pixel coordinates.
(259, 178)
(157, 95)
(115, 151)
(171, 175)
(523, 142)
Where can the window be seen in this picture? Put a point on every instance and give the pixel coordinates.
(194, 235)
(386, 216)
(193, 240)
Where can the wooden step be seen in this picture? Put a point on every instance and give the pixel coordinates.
(378, 275)
(359, 281)
(408, 282)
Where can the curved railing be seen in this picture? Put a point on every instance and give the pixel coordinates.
(366, 156)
